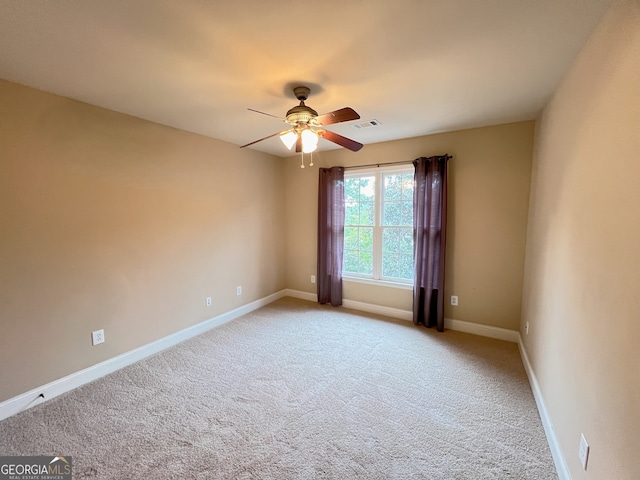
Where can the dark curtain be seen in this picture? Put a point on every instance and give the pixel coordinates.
(330, 235)
(429, 237)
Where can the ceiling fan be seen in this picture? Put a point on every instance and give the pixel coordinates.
(306, 126)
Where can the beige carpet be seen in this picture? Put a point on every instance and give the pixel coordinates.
(301, 391)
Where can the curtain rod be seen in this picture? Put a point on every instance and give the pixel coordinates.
(403, 162)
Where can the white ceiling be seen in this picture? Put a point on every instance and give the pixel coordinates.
(417, 66)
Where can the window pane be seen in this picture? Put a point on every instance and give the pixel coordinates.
(392, 214)
(397, 253)
(405, 268)
(406, 216)
(367, 189)
(351, 189)
(366, 263)
(395, 265)
(366, 239)
(390, 266)
(350, 238)
(390, 241)
(398, 240)
(352, 214)
(405, 241)
(392, 187)
(407, 187)
(367, 213)
(351, 261)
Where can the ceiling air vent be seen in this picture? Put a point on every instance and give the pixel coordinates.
(370, 123)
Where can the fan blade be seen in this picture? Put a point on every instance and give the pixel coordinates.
(299, 144)
(343, 115)
(268, 114)
(340, 140)
(265, 138)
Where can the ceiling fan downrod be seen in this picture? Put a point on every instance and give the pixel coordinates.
(301, 113)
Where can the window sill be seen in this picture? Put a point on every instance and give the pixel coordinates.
(378, 283)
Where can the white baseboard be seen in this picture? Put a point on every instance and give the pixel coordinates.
(458, 325)
(450, 323)
(312, 297)
(482, 330)
(355, 305)
(378, 309)
(552, 440)
(51, 390)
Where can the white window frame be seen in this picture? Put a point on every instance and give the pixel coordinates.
(376, 277)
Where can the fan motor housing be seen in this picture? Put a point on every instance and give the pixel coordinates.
(300, 114)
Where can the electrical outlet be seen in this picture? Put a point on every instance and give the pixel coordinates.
(208, 301)
(583, 453)
(313, 279)
(97, 337)
(454, 300)
(526, 328)
(238, 290)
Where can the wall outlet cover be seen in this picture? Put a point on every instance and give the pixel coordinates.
(97, 337)
(583, 453)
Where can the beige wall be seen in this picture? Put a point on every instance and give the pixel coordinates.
(108, 221)
(582, 280)
(488, 199)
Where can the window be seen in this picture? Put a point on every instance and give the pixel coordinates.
(378, 231)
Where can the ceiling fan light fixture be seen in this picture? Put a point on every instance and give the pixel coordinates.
(309, 140)
(289, 139)
(309, 148)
